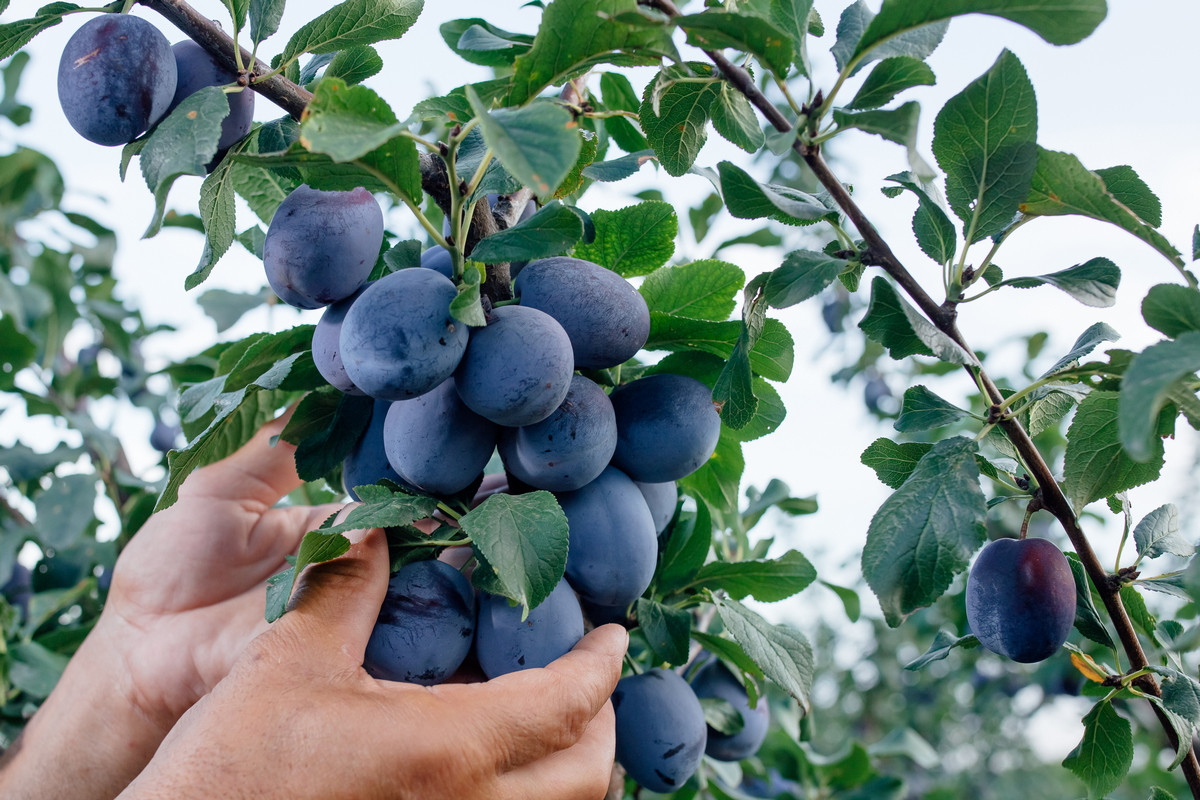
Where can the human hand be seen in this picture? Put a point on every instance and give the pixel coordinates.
(298, 717)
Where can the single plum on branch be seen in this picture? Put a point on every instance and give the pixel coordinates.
(716, 681)
(505, 643)
(197, 69)
(667, 427)
(661, 732)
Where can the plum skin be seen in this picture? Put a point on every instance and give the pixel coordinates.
(116, 78)
(321, 246)
(326, 344)
(661, 732)
(504, 644)
(715, 680)
(667, 427)
(425, 626)
(367, 463)
(197, 69)
(1021, 598)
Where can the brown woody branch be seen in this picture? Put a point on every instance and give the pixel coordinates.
(943, 316)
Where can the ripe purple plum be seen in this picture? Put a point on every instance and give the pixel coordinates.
(197, 69)
(667, 427)
(716, 681)
(327, 344)
(505, 643)
(661, 732)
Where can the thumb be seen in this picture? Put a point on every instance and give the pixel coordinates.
(336, 602)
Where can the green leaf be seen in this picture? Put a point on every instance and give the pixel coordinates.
(1159, 533)
(897, 125)
(479, 42)
(632, 241)
(707, 369)
(721, 716)
(766, 580)
(1062, 185)
(354, 22)
(717, 481)
(264, 352)
(536, 144)
(734, 118)
(524, 540)
(1065, 22)
(576, 35)
(65, 510)
(16, 35)
(35, 670)
(1196, 244)
(924, 534)
(892, 461)
(226, 307)
(1158, 793)
(892, 322)
(455, 107)
(1088, 341)
(265, 16)
(355, 64)
(701, 290)
(985, 140)
(667, 630)
(1087, 619)
(316, 547)
(217, 211)
(1102, 759)
(889, 78)
(550, 231)
(1131, 191)
(1172, 309)
(728, 650)
(746, 198)
(772, 356)
(716, 30)
(943, 643)
(922, 410)
(1093, 283)
(618, 95)
(675, 121)
(467, 305)
(618, 169)
(783, 654)
(1048, 410)
(1095, 466)
(933, 228)
(182, 144)
(856, 21)
(325, 428)
(347, 122)
(804, 274)
(686, 549)
(1144, 392)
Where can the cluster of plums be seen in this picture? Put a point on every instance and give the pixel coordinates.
(119, 76)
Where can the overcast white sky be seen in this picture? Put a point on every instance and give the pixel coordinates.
(1125, 96)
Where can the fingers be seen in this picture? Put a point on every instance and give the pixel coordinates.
(335, 603)
(257, 473)
(581, 772)
(534, 713)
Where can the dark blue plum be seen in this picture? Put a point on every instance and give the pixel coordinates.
(327, 345)
(517, 370)
(662, 499)
(716, 681)
(322, 246)
(436, 443)
(197, 69)
(438, 259)
(772, 786)
(602, 615)
(116, 78)
(425, 627)
(661, 731)
(165, 436)
(569, 448)
(612, 548)
(605, 317)
(399, 339)
(1021, 598)
(667, 427)
(367, 463)
(504, 643)
(18, 590)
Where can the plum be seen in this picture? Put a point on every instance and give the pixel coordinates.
(438, 259)
(504, 643)
(716, 681)
(322, 246)
(662, 499)
(667, 427)
(116, 78)
(425, 627)
(197, 69)
(399, 339)
(367, 463)
(661, 731)
(612, 548)
(327, 344)
(568, 449)
(517, 370)
(436, 443)
(1021, 598)
(605, 317)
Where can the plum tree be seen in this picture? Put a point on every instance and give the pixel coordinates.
(327, 344)
(1021, 598)
(714, 680)
(116, 78)
(367, 462)
(436, 443)
(517, 370)
(667, 427)
(612, 548)
(505, 643)
(399, 339)
(425, 627)
(567, 449)
(197, 69)
(661, 730)
(321, 246)
(605, 317)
